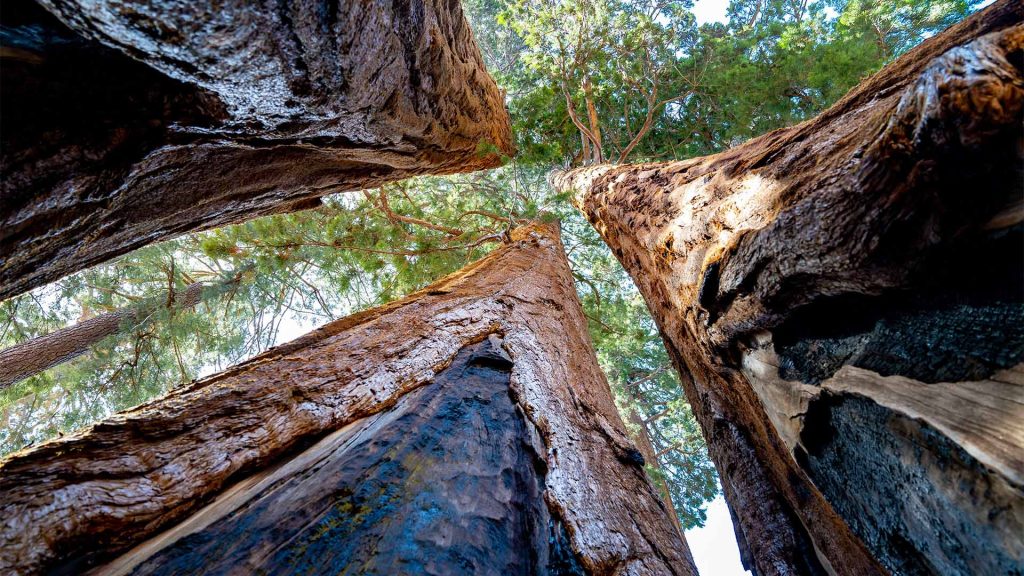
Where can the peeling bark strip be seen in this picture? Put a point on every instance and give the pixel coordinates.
(868, 441)
(76, 501)
(885, 233)
(125, 124)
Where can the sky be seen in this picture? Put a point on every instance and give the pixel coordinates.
(714, 546)
(710, 10)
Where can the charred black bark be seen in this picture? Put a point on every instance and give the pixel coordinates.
(961, 317)
(445, 482)
(920, 502)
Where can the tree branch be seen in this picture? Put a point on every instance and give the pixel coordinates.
(394, 217)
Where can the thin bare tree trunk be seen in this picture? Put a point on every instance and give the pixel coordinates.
(44, 352)
(643, 441)
(208, 114)
(595, 124)
(41, 353)
(465, 428)
(843, 301)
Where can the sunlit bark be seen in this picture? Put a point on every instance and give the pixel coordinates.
(469, 419)
(882, 236)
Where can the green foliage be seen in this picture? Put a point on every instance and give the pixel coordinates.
(630, 351)
(621, 57)
(775, 62)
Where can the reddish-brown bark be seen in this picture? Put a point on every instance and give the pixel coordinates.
(76, 500)
(642, 439)
(884, 233)
(125, 124)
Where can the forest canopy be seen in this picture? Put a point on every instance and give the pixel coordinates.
(585, 81)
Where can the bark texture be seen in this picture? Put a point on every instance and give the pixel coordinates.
(885, 235)
(286, 425)
(641, 437)
(441, 477)
(33, 356)
(125, 124)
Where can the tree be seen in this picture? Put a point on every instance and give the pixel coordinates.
(320, 265)
(773, 64)
(811, 283)
(211, 114)
(471, 354)
(610, 66)
(33, 356)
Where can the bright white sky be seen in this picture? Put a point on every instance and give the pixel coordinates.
(710, 10)
(714, 546)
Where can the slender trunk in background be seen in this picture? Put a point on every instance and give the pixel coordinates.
(464, 429)
(595, 124)
(44, 352)
(843, 301)
(208, 114)
(642, 438)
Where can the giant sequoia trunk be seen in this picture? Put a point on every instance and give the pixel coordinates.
(843, 300)
(127, 123)
(464, 429)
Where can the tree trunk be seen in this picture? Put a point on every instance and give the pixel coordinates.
(128, 124)
(642, 439)
(595, 124)
(44, 352)
(814, 287)
(465, 428)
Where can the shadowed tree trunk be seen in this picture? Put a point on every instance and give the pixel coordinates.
(125, 124)
(464, 429)
(843, 300)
